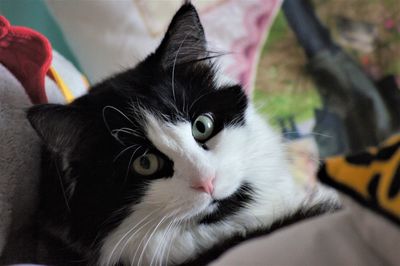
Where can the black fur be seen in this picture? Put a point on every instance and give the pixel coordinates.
(87, 184)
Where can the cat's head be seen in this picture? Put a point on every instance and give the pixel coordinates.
(163, 141)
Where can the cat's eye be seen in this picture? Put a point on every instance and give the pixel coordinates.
(203, 127)
(147, 164)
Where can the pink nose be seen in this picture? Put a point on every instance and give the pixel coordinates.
(204, 186)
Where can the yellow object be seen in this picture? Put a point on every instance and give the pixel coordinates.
(371, 177)
(69, 97)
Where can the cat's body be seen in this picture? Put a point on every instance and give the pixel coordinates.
(159, 164)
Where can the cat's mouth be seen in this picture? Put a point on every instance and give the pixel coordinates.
(230, 205)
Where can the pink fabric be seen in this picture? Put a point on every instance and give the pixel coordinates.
(241, 28)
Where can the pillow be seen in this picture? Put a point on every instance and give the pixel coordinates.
(108, 36)
(19, 162)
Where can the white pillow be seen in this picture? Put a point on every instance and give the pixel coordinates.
(108, 36)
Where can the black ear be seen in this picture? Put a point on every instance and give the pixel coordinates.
(185, 40)
(59, 126)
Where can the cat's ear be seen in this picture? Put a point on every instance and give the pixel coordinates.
(185, 40)
(59, 126)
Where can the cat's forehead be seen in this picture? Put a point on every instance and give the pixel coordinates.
(171, 83)
(177, 94)
(226, 105)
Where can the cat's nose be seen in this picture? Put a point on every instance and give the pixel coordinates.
(204, 186)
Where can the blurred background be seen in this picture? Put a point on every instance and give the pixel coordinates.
(368, 31)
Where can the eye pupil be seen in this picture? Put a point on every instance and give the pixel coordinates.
(203, 127)
(200, 127)
(145, 162)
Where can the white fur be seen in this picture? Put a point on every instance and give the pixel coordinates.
(162, 228)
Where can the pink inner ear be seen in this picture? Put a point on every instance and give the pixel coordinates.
(27, 54)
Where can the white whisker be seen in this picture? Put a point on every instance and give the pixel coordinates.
(149, 238)
(112, 133)
(136, 233)
(198, 98)
(168, 248)
(62, 186)
(159, 249)
(128, 131)
(140, 244)
(124, 150)
(173, 66)
(123, 237)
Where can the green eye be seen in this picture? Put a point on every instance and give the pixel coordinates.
(203, 127)
(147, 164)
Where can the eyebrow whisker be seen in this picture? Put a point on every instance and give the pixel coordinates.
(124, 150)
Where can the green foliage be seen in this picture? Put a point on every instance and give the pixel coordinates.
(285, 103)
(278, 30)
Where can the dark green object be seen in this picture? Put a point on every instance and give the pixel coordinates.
(347, 92)
(354, 114)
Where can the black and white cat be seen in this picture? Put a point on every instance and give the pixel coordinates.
(161, 163)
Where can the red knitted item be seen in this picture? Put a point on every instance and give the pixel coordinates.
(27, 54)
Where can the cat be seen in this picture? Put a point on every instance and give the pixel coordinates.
(163, 163)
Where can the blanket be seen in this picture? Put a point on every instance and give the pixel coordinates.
(18, 159)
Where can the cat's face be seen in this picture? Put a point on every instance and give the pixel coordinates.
(155, 147)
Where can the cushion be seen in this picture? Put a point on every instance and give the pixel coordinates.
(125, 31)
